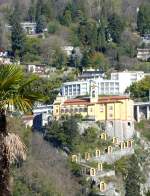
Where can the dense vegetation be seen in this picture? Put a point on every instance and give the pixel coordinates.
(104, 31)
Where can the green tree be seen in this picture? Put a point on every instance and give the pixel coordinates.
(88, 33)
(14, 90)
(98, 61)
(40, 24)
(133, 179)
(31, 11)
(140, 90)
(66, 20)
(32, 50)
(17, 34)
(115, 27)
(53, 26)
(63, 134)
(59, 58)
(143, 19)
(101, 36)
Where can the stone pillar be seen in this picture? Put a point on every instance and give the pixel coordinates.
(147, 112)
(138, 113)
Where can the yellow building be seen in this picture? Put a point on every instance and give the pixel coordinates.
(98, 109)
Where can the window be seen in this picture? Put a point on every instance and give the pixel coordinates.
(129, 124)
(110, 115)
(110, 107)
(91, 110)
(76, 110)
(56, 110)
(85, 109)
(62, 110)
(101, 108)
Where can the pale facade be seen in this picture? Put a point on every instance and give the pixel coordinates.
(115, 86)
(103, 109)
(143, 54)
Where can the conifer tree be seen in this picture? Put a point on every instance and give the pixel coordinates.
(17, 34)
(132, 182)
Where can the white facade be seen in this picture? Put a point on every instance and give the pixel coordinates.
(143, 54)
(115, 86)
(68, 50)
(46, 109)
(29, 27)
(91, 74)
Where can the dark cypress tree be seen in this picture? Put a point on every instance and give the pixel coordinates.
(115, 27)
(143, 19)
(132, 182)
(17, 34)
(32, 11)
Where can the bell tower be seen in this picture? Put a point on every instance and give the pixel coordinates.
(93, 92)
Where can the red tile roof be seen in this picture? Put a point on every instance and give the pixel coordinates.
(107, 99)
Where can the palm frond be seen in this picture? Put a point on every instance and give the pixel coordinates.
(15, 89)
(15, 148)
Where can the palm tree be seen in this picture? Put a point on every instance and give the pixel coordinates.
(16, 91)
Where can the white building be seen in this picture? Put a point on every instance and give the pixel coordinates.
(29, 27)
(146, 39)
(47, 109)
(91, 74)
(115, 86)
(143, 54)
(68, 50)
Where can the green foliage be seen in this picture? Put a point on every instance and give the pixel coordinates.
(63, 134)
(32, 50)
(47, 88)
(133, 179)
(53, 27)
(75, 169)
(88, 33)
(59, 58)
(40, 24)
(142, 66)
(101, 36)
(17, 34)
(143, 127)
(140, 90)
(115, 27)
(121, 166)
(98, 61)
(31, 11)
(143, 19)
(15, 89)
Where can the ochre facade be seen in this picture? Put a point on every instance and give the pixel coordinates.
(100, 109)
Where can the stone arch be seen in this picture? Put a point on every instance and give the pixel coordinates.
(87, 156)
(129, 143)
(103, 136)
(124, 145)
(74, 158)
(100, 167)
(121, 145)
(102, 186)
(109, 149)
(115, 140)
(97, 153)
(92, 172)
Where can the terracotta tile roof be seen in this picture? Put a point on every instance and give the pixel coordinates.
(86, 101)
(77, 101)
